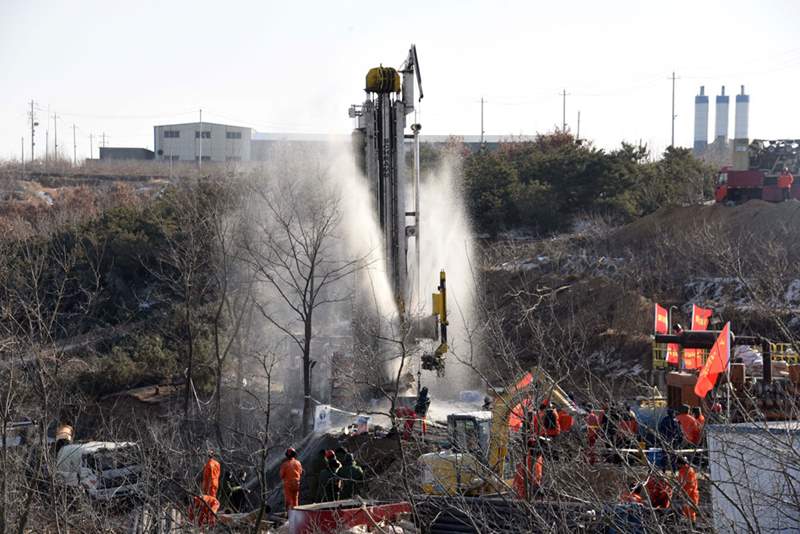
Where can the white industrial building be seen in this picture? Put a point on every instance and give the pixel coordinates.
(193, 141)
(220, 143)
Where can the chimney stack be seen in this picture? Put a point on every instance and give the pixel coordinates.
(700, 122)
(740, 140)
(721, 119)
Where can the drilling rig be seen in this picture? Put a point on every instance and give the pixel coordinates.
(380, 146)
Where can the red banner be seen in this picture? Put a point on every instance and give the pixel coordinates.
(661, 320)
(717, 363)
(700, 317)
(693, 358)
(673, 349)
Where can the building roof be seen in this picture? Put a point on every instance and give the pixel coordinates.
(204, 124)
(771, 427)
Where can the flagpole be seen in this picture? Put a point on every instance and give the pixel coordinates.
(728, 379)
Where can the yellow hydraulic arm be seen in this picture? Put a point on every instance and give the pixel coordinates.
(535, 385)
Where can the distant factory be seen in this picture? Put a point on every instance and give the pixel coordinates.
(720, 146)
(225, 143)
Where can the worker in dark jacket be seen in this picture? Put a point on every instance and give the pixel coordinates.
(329, 483)
(352, 477)
(318, 464)
(669, 431)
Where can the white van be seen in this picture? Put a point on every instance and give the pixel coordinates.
(105, 470)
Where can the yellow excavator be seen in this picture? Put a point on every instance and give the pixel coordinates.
(476, 460)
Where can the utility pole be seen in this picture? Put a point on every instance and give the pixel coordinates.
(564, 111)
(578, 133)
(200, 159)
(91, 147)
(482, 131)
(74, 146)
(22, 158)
(672, 142)
(104, 140)
(33, 132)
(47, 145)
(55, 136)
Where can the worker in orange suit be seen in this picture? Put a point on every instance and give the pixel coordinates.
(689, 425)
(211, 473)
(545, 422)
(528, 476)
(658, 491)
(633, 495)
(687, 480)
(203, 510)
(697, 413)
(290, 472)
(565, 420)
(785, 181)
(592, 430)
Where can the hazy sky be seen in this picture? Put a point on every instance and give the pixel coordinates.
(120, 67)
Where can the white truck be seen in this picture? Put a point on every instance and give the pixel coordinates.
(104, 470)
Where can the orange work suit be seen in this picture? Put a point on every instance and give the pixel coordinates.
(659, 492)
(203, 510)
(211, 477)
(687, 478)
(526, 470)
(690, 427)
(291, 471)
(539, 428)
(565, 421)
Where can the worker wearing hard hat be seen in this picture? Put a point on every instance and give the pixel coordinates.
(785, 181)
(290, 472)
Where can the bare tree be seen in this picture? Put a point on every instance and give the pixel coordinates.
(294, 250)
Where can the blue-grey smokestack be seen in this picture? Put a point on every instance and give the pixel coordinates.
(721, 119)
(700, 121)
(741, 119)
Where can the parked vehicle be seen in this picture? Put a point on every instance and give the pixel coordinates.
(759, 178)
(104, 470)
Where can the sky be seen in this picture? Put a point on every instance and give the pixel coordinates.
(118, 67)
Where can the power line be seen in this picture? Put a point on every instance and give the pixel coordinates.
(33, 131)
(55, 136)
(482, 130)
(672, 142)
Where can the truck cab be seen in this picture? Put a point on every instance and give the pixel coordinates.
(104, 470)
(462, 467)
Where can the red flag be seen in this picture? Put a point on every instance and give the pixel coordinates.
(717, 363)
(700, 317)
(661, 320)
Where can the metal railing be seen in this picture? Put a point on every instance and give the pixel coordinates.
(783, 352)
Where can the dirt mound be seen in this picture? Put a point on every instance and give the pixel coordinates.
(780, 221)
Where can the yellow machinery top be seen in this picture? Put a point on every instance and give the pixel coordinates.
(383, 80)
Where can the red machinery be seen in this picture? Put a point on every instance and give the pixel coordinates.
(323, 518)
(766, 160)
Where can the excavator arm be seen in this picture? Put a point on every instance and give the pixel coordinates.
(534, 386)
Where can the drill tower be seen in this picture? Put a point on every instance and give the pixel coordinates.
(380, 139)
